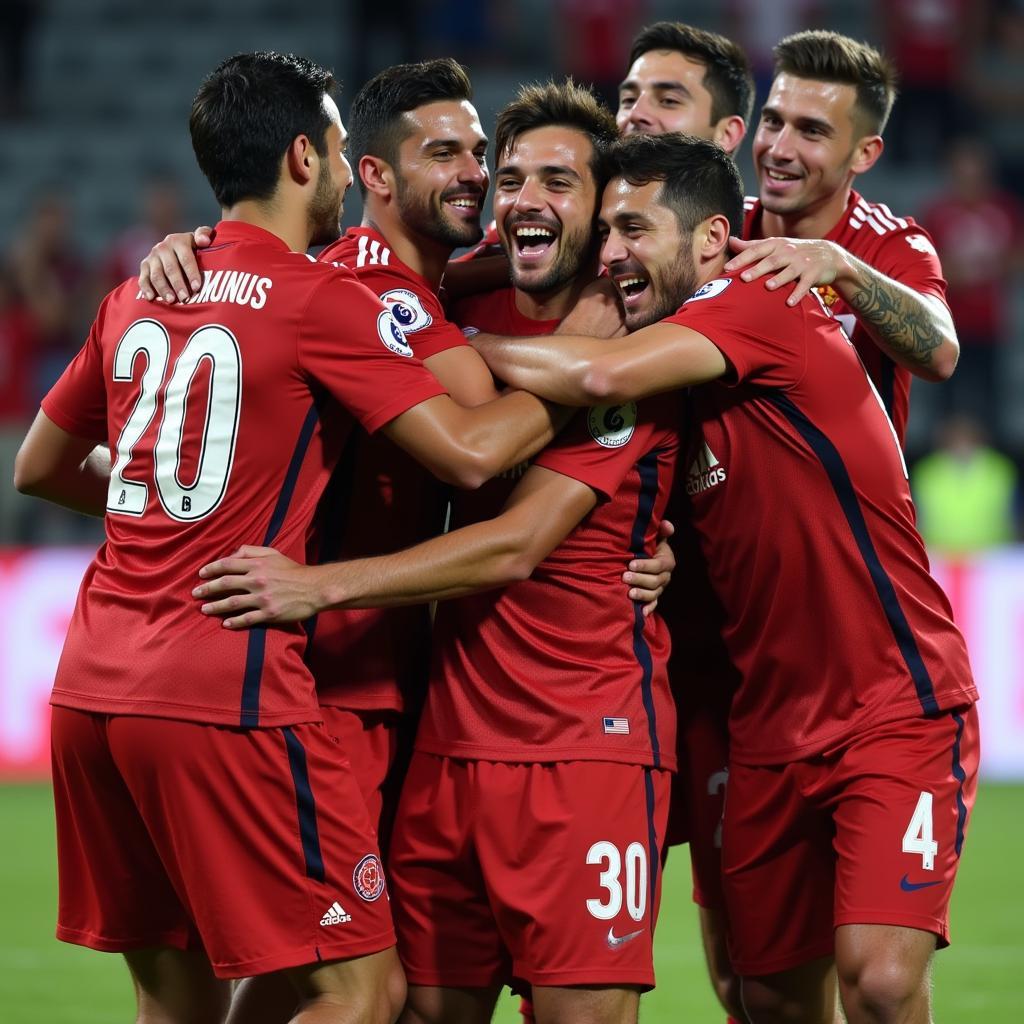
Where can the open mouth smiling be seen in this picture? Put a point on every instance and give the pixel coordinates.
(532, 241)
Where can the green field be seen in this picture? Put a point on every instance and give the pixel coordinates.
(43, 981)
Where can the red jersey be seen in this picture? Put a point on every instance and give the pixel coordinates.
(222, 434)
(379, 500)
(895, 246)
(799, 496)
(563, 666)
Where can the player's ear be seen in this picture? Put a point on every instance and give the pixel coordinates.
(711, 237)
(866, 153)
(377, 176)
(302, 161)
(729, 132)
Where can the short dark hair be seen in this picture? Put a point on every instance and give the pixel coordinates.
(564, 104)
(728, 77)
(699, 178)
(375, 122)
(246, 114)
(830, 57)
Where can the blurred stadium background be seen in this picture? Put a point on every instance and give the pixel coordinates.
(96, 165)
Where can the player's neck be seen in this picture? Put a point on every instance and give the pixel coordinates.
(554, 304)
(426, 256)
(812, 222)
(291, 228)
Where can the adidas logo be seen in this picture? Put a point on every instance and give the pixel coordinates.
(705, 472)
(335, 915)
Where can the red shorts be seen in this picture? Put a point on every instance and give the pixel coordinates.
(698, 797)
(377, 746)
(542, 873)
(868, 833)
(252, 844)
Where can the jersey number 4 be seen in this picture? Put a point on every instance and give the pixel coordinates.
(212, 345)
(919, 836)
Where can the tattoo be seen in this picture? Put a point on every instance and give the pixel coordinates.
(897, 318)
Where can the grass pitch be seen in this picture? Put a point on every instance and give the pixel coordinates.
(43, 981)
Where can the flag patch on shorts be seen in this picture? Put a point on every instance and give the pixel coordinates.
(616, 726)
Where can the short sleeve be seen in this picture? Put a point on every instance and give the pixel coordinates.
(417, 309)
(77, 403)
(763, 339)
(909, 257)
(354, 347)
(602, 444)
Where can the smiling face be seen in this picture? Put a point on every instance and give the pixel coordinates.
(545, 199)
(808, 145)
(648, 257)
(441, 174)
(333, 180)
(664, 92)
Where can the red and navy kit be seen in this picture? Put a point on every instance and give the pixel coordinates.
(379, 500)
(225, 415)
(895, 246)
(832, 618)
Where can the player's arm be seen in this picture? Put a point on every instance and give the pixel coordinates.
(264, 587)
(914, 330)
(466, 447)
(589, 371)
(464, 373)
(68, 470)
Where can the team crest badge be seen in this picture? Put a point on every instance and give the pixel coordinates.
(368, 878)
(828, 294)
(391, 333)
(407, 309)
(611, 426)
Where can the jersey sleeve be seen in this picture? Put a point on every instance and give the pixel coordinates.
(909, 256)
(762, 338)
(417, 309)
(602, 444)
(77, 403)
(361, 357)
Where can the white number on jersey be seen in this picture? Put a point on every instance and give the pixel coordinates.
(918, 837)
(214, 345)
(604, 852)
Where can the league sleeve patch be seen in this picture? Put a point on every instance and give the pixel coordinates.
(470, 332)
(391, 334)
(407, 309)
(711, 289)
(922, 244)
(611, 426)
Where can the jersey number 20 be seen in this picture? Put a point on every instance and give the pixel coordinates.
(185, 502)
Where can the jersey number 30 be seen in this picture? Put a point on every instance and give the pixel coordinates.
(185, 502)
(607, 855)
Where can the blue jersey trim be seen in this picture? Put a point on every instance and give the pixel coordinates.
(833, 464)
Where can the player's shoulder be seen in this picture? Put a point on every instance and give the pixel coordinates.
(873, 226)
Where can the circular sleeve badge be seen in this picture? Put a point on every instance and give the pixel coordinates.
(407, 309)
(391, 333)
(612, 425)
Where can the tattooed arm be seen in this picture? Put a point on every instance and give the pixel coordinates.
(914, 330)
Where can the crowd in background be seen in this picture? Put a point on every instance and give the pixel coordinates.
(957, 129)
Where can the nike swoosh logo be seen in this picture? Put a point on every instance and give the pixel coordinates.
(614, 941)
(908, 886)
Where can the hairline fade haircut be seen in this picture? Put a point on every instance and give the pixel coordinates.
(376, 122)
(557, 104)
(246, 114)
(699, 179)
(830, 57)
(727, 77)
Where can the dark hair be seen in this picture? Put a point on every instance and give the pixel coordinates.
(564, 104)
(246, 114)
(699, 178)
(728, 77)
(375, 122)
(830, 57)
